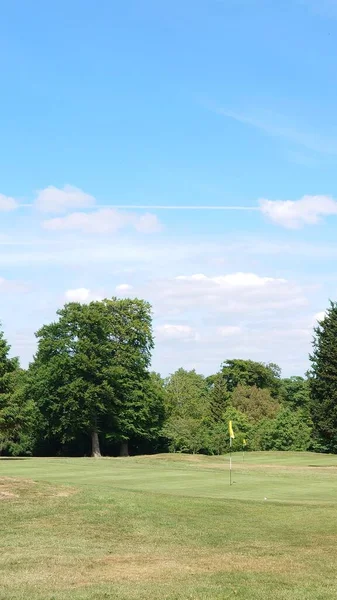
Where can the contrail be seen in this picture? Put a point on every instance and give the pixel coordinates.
(169, 207)
(155, 207)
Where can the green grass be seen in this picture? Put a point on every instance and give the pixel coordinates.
(169, 527)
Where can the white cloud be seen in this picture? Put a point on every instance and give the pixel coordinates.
(123, 287)
(294, 214)
(102, 221)
(287, 343)
(231, 293)
(176, 332)
(82, 295)
(7, 203)
(135, 252)
(147, 223)
(56, 200)
(233, 280)
(9, 285)
(229, 330)
(320, 316)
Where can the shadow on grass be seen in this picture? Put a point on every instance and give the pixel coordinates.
(15, 457)
(324, 466)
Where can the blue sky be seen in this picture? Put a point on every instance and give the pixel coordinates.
(111, 111)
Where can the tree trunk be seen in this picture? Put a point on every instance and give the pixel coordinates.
(95, 449)
(124, 450)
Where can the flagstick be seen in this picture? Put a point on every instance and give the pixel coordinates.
(230, 460)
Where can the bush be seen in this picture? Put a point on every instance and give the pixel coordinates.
(288, 431)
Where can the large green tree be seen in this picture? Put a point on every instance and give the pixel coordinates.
(91, 370)
(187, 394)
(255, 403)
(188, 411)
(16, 413)
(323, 381)
(249, 373)
(140, 407)
(295, 392)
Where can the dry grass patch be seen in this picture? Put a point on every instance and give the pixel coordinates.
(12, 488)
(163, 567)
(58, 573)
(5, 495)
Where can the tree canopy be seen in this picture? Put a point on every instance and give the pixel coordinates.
(90, 386)
(16, 414)
(255, 402)
(249, 373)
(91, 369)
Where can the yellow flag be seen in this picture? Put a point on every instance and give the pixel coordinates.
(244, 442)
(230, 429)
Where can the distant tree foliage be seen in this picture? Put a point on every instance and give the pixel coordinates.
(218, 396)
(249, 373)
(242, 427)
(295, 392)
(288, 431)
(256, 403)
(186, 394)
(16, 413)
(188, 411)
(89, 390)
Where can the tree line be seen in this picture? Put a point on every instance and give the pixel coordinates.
(89, 391)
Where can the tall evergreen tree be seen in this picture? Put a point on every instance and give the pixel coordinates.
(218, 396)
(323, 381)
